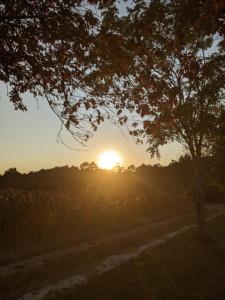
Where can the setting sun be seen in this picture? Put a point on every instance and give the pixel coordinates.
(109, 159)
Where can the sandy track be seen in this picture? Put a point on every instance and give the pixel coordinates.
(39, 260)
(111, 261)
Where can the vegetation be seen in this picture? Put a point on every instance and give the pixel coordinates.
(53, 207)
(174, 80)
(36, 210)
(45, 50)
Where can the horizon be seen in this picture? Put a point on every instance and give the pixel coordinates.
(89, 162)
(29, 141)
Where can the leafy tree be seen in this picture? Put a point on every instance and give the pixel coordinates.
(131, 168)
(174, 79)
(11, 172)
(157, 61)
(45, 49)
(209, 14)
(86, 166)
(118, 169)
(218, 153)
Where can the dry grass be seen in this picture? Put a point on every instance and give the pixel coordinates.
(184, 268)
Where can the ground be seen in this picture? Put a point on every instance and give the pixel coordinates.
(163, 260)
(186, 267)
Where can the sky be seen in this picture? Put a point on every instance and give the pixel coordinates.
(28, 140)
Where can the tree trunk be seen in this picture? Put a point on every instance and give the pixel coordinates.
(200, 197)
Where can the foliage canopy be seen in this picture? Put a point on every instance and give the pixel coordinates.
(45, 50)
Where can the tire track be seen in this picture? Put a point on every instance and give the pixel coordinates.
(109, 263)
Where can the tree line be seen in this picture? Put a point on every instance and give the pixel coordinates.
(43, 208)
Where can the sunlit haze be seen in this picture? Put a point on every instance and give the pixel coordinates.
(109, 159)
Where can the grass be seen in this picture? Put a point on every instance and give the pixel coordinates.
(184, 268)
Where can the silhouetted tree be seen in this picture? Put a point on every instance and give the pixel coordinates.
(11, 171)
(131, 168)
(118, 169)
(209, 14)
(218, 152)
(85, 166)
(158, 61)
(175, 80)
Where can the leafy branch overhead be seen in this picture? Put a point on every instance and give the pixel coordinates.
(175, 75)
(94, 60)
(45, 50)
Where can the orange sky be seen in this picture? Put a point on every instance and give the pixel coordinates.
(29, 141)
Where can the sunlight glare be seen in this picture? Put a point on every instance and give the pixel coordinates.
(109, 159)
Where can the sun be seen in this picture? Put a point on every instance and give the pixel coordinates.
(109, 159)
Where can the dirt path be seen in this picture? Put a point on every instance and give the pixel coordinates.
(40, 260)
(35, 278)
(106, 264)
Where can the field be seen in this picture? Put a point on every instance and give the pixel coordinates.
(92, 237)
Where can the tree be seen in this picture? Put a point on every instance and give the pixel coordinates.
(11, 172)
(45, 49)
(209, 14)
(131, 168)
(86, 166)
(174, 82)
(218, 153)
(118, 169)
(157, 62)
